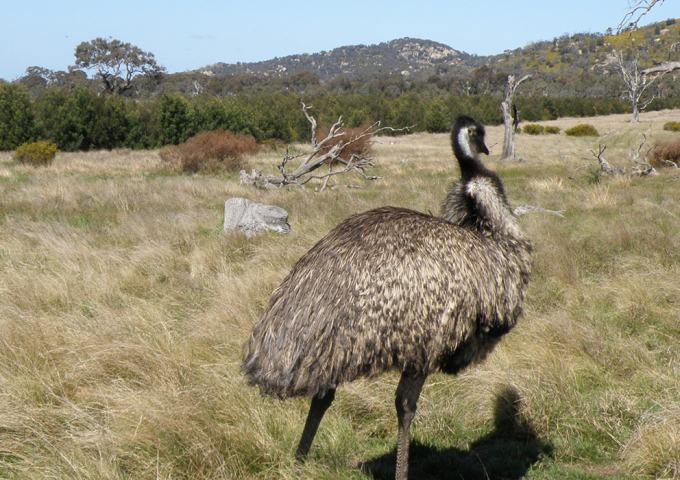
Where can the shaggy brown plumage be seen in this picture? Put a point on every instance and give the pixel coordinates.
(393, 288)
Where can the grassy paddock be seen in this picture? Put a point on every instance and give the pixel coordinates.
(123, 307)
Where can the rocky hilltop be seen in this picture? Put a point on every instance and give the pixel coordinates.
(566, 56)
(408, 56)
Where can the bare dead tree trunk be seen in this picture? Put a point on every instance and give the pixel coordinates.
(508, 120)
(311, 120)
(636, 84)
(314, 158)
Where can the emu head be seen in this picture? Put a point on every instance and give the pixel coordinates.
(467, 138)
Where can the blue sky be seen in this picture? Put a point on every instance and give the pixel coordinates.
(192, 34)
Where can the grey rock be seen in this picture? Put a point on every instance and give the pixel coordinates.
(251, 218)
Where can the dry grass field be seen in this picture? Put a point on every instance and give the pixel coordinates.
(123, 307)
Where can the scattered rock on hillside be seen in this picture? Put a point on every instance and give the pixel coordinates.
(243, 215)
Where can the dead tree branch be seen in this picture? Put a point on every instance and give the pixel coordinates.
(663, 68)
(605, 166)
(318, 155)
(524, 208)
(636, 10)
(641, 168)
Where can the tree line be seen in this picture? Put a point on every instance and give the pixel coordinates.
(82, 119)
(129, 100)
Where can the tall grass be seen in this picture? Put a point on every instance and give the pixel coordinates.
(123, 307)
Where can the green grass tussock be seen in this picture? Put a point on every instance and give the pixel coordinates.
(533, 129)
(36, 153)
(672, 126)
(123, 308)
(582, 130)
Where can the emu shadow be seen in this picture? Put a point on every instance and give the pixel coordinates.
(507, 453)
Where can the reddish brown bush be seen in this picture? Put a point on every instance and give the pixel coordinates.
(668, 150)
(360, 147)
(220, 150)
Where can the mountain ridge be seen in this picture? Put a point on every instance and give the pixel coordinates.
(408, 56)
(420, 58)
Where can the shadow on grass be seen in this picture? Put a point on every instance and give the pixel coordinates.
(507, 453)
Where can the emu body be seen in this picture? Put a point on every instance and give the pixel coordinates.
(393, 288)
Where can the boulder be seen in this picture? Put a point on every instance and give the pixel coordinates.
(243, 215)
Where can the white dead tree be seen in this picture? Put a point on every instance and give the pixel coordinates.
(323, 152)
(508, 120)
(636, 83)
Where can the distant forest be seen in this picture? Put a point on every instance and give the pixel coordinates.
(571, 76)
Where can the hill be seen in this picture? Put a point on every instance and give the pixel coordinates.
(418, 58)
(408, 56)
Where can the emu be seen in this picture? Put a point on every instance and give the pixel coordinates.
(392, 288)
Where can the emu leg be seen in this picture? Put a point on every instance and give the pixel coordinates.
(316, 413)
(408, 393)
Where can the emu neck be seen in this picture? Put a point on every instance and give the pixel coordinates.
(460, 208)
(471, 166)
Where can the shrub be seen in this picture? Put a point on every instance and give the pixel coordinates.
(17, 122)
(36, 153)
(672, 126)
(552, 130)
(219, 150)
(668, 150)
(582, 130)
(274, 144)
(360, 147)
(532, 129)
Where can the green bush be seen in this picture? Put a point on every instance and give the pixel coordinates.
(582, 130)
(17, 123)
(552, 130)
(672, 126)
(36, 153)
(532, 129)
(219, 150)
(173, 119)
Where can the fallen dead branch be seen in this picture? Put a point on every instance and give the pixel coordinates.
(641, 168)
(524, 208)
(318, 155)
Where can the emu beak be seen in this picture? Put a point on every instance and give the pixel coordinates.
(484, 150)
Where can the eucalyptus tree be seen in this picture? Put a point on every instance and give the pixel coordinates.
(116, 63)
